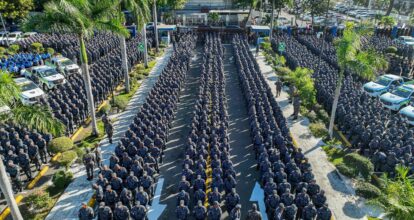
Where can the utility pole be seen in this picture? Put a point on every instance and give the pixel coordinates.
(144, 35)
(6, 188)
(154, 8)
(4, 28)
(272, 17)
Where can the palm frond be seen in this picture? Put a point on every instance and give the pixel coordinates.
(9, 91)
(37, 117)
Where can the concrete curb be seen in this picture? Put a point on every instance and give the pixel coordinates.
(37, 178)
(7, 211)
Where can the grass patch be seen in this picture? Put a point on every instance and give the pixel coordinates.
(335, 156)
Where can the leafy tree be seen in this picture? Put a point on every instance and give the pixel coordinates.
(80, 17)
(31, 116)
(388, 21)
(15, 9)
(364, 63)
(214, 17)
(303, 81)
(397, 195)
(316, 7)
(361, 2)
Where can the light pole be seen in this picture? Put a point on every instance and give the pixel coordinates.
(272, 17)
(154, 8)
(6, 188)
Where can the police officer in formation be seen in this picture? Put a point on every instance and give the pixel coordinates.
(284, 171)
(86, 212)
(369, 127)
(128, 181)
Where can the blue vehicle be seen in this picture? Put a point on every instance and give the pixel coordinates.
(398, 98)
(408, 114)
(383, 84)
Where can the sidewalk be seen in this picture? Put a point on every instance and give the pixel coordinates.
(339, 192)
(80, 189)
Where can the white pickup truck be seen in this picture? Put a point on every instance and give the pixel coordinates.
(383, 84)
(30, 92)
(64, 65)
(45, 76)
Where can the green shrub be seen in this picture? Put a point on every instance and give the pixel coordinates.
(121, 102)
(37, 47)
(61, 179)
(14, 48)
(39, 199)
(106, 107)
(361, 164)
(346, 170)
(139, 77)
(282, 70)
(391, 49)
(377, 181)
(50, 51)
(318, 129)
(61, 144)
(367, 190)
(311, 116)
(2, 51)
(323, 116)
(67, 158)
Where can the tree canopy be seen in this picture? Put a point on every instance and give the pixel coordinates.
(31, 116)
(303, 81)
(15, 9)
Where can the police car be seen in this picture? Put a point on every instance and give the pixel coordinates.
(30, 92)
(408, 114)
(64, 65)
(45, 76)
(398, 98)
(382, 84)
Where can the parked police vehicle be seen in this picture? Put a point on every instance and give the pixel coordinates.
(408, 114)
(45, 76)
(64, 65)
(30, 92)
(383, 84)
(399, 97)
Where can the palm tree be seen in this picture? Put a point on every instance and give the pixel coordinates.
(390, 6)
(33, 117)
(397, 195)
(364, 63)
(141, 12)
(80, 17)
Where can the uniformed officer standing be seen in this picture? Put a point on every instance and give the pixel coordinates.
(109, 131)
(89, 162)
(235, 214)
(98, 156)
(254, 214)
(296, 105)
(182, 211)
(121, 212)
(214, 212)
(279, 85)
(86, 212)
(14, 172)
(200, 212)
(138, 212)
(105, 212)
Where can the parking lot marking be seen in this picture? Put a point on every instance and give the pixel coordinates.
(37, 178)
